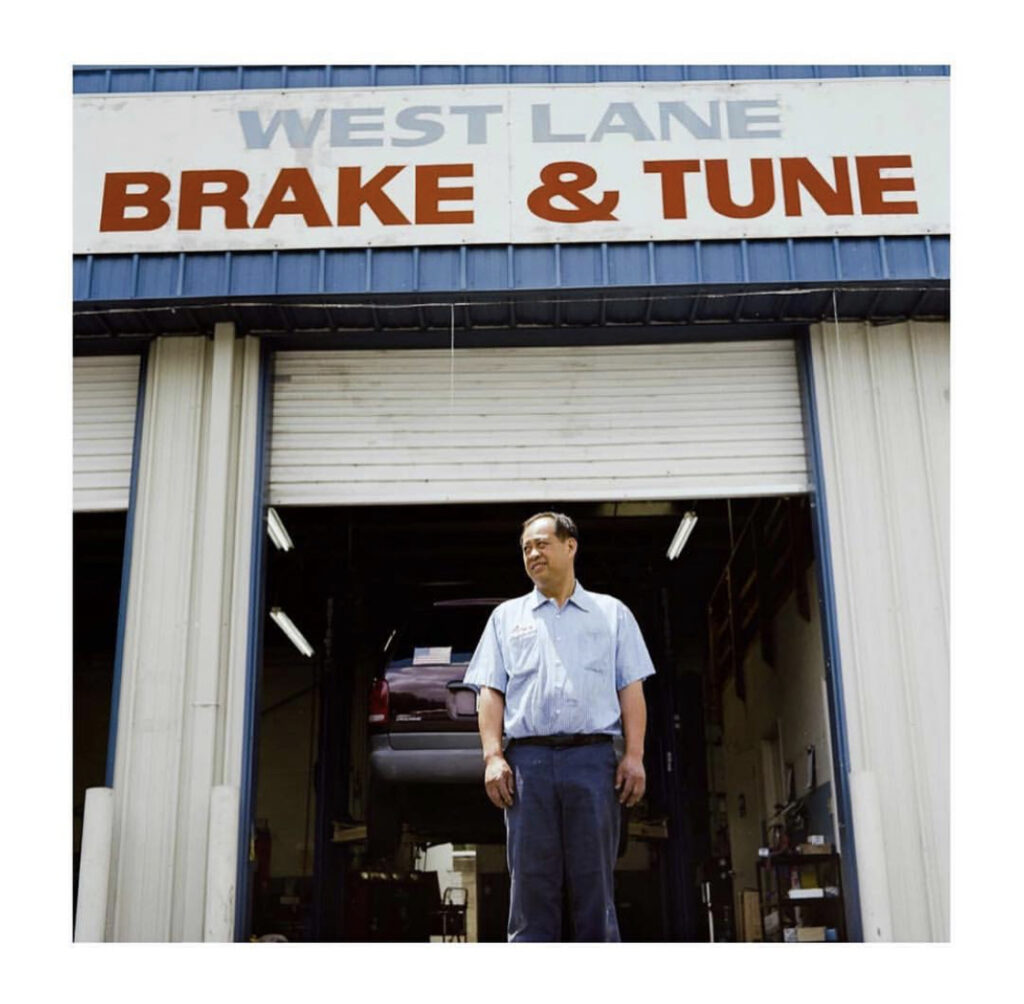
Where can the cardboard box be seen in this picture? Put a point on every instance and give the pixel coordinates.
(810, 934)
(814, 848)
(752, 916)
(344, 834)
(649, 830)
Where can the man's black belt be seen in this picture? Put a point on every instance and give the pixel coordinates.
(577, 739)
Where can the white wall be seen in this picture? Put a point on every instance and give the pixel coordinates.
(883, 408)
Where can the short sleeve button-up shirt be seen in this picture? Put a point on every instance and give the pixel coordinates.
(560, 669)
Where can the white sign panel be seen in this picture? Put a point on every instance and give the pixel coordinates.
(257, 170)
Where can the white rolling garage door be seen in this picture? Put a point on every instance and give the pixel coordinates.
(106, 390)
(550, 423)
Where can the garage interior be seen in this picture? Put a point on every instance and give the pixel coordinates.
(738, 751)
(97, 556)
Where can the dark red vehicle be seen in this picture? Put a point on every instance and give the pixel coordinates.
(426, 768)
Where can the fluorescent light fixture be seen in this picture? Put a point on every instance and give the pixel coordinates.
(689, 521)
(276, 531)
(284, 622)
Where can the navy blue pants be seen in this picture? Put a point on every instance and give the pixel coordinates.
(563, 826)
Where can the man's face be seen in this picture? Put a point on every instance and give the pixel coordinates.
(547, 559)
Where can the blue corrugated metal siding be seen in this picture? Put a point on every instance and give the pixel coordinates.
(120, 79)
(554, 267)
(648, 269)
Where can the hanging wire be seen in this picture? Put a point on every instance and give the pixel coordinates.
(451, 374)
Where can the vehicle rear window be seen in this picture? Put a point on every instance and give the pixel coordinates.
(441, 627)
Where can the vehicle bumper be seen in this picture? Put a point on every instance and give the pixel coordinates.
(433, 757)
(427, 758)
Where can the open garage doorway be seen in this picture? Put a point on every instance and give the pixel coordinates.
(737, 752)
(97, 574)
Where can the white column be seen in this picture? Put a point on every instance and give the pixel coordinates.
(94, 865)
(183, 672)
(222, 861)
(872, 871)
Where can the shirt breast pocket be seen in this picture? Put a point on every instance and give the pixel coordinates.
(598, 665)
(596, 651)
(525, 650)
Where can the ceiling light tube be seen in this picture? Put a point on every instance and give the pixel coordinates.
(689, 521)
(276, 531)
(284, 622)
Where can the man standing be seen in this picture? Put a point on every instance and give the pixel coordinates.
(561, 670)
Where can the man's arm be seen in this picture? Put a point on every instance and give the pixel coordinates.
(630, 776)
(498, 780)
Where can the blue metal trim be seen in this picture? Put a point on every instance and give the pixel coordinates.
(126, 569)
(254, 655)
(830, 641)
(125, 79)
(127, 277)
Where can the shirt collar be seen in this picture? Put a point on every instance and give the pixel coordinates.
(579, 596)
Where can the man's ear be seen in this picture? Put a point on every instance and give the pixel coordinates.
(573, 544)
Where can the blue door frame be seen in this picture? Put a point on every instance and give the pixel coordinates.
(830, 641)
(254, 654)
(126, 569)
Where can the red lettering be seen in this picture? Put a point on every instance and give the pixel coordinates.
(429, 193)
(117, 198)
(194, 198)
(873, 186)
(352, 194)
(673, 184)
(305, 203)
(799, 171)
(720, 194)
(569, 179)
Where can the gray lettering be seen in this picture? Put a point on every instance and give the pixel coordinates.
(409, 118)
(542, 128)
(299, 134)
(742, 123)
(697, 127)
(630, 122)
(476, 120)
(343, 125)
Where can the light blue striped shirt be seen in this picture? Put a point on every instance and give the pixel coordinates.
(560, 670)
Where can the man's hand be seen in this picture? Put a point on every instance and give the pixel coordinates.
(499, 781)
(497, 773)
(630, 780)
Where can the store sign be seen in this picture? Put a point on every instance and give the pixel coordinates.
(257, 170)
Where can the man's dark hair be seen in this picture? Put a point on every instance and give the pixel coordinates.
(564, 525)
